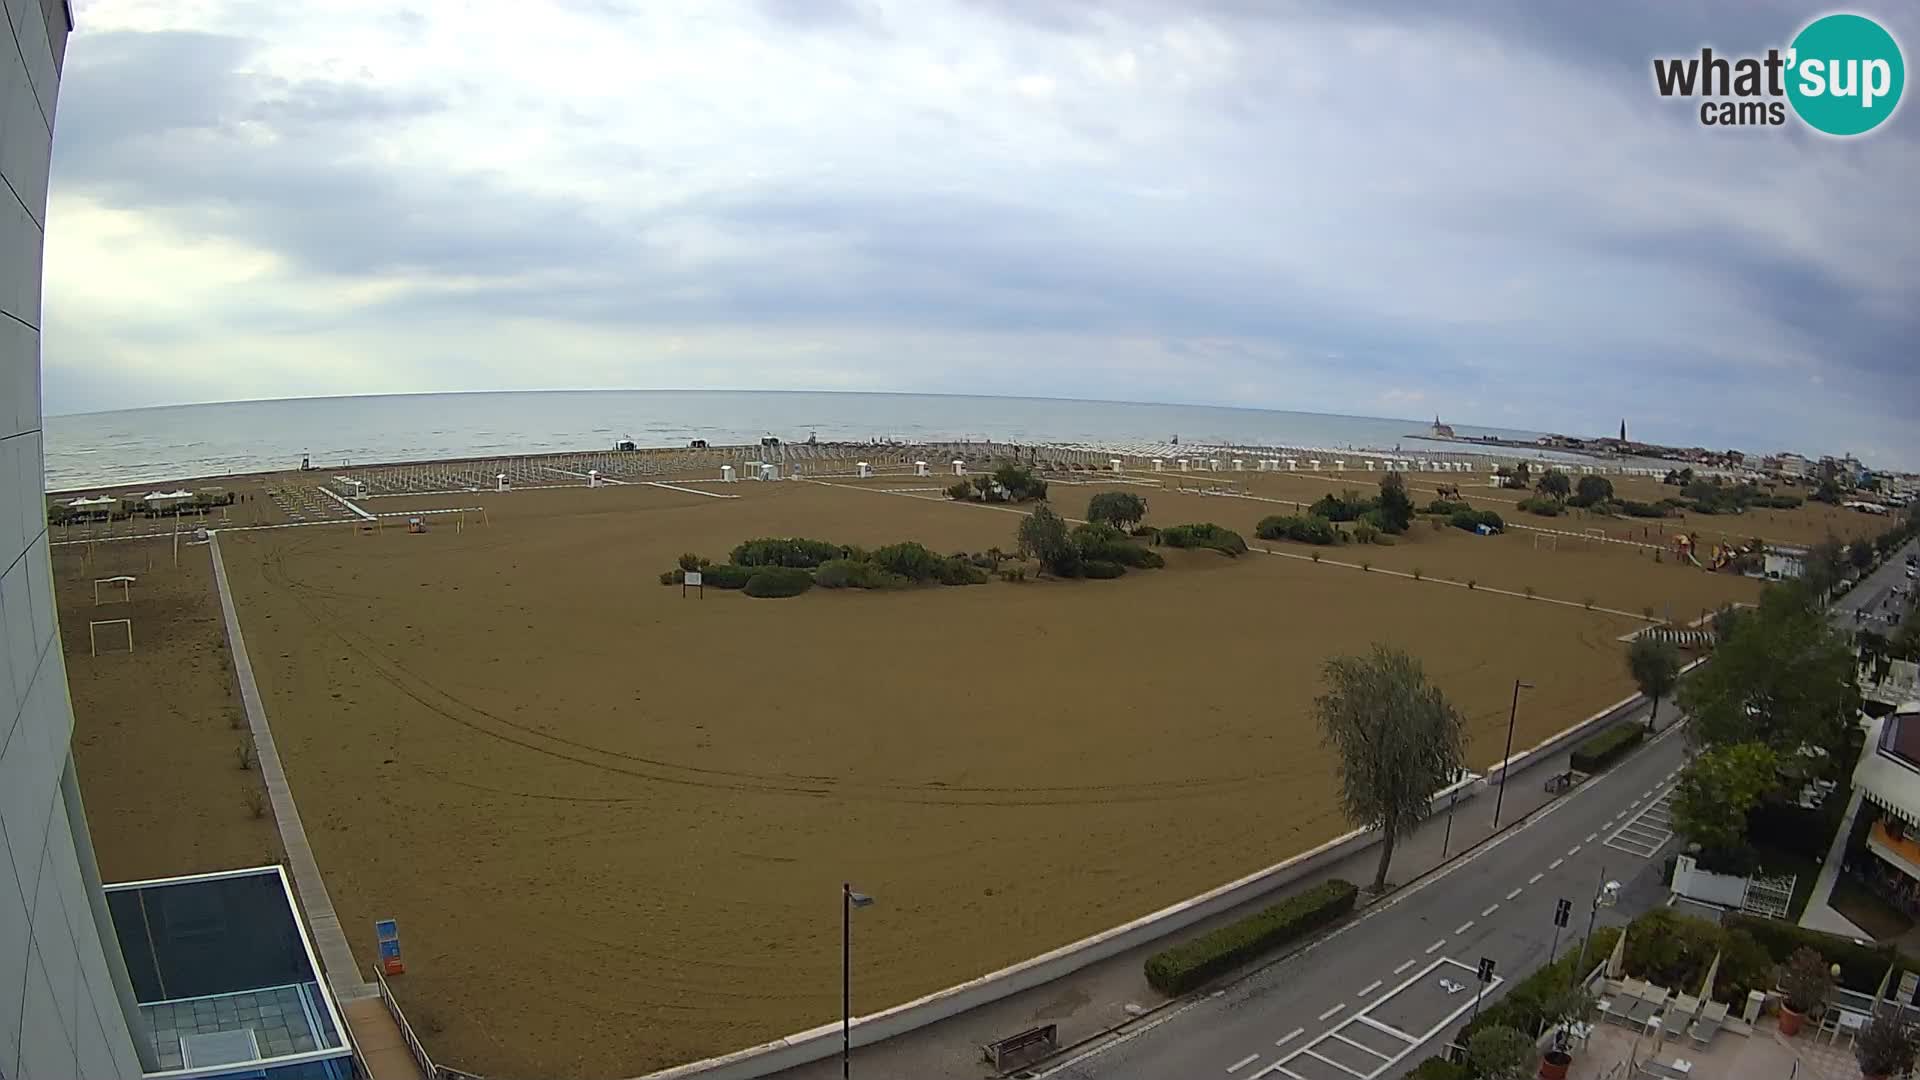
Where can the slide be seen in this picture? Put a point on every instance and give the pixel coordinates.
(1693, 560)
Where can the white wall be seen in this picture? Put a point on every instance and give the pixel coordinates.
(59, 1015)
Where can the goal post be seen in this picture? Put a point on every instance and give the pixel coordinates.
(93, 633)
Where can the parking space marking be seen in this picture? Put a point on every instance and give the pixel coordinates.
(1243, 1063)
(1309, 1051)
(1646, 832)
(1362, 1046)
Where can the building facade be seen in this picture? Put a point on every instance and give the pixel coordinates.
(64, 995)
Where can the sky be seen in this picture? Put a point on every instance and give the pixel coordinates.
(1480, 210)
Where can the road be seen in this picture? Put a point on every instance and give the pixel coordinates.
(1370, 1001)
(1875, 595)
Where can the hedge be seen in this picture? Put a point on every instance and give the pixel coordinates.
(1189, 964)
(1522, 1006)
(1101, 569)
(1609, 746)
(1645, 510)
(1471, 520)
(776, 581)
(785, 551)
(1204, 535)
(1861, 966)
(1439, 1068)
(1306, 529)
(1448, 507)
(856, 574)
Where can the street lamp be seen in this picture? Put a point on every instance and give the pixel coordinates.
(1507, 760)
(1605, 894)
(848, 901)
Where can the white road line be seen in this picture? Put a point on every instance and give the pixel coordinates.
(1463, 928)
(1404, 966)
(1591, 836)
(1369, 988)
(1615, 817)
(1436, 946)
(1243, 1063)
(1310, 1052)
(1555, 864)
(1634, 803)
(1513, 894)
(1491, 908)
(1388, 1058)
(1647, 794)
(1535, 878)
(1376, 1025)
(1289, 1036)
(1333, 1010)
(1574, 850)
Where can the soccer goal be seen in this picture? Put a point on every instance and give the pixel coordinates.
(1548, 541)
(125, 581)
(93, 633)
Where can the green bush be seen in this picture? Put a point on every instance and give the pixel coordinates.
(1305, 529)
(690, 561)
(908, 559)
(785, 551)
(777, 581)
(1861, 966)
(673, 577)
(1640, 509)
(1609, 746)
(1366, 533)
(958, 571)
(960, 491)
(727, 576)
(1448, 507)
(1204, 535)
(1145, 532)
(1101, 568)
(1470, 520)
(856, 574)
(1119, 508)
(1182, 967)
(1524, 1007)
(1346, 506)
(1439, 1068)
(1541, 505)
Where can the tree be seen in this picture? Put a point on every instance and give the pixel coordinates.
(1501, 1053)
(1655, 666)
(1780, 676)
(1121, 509)
(1396, 509)
(1556, 485)
(1042, 535)
(1823, 565)
(1592, 490)
(1397, 741)
(1718, 788)
(1860, 554)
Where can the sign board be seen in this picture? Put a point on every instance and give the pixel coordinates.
(387, 932)
(693, 578)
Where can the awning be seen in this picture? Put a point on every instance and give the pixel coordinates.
(1885, 780)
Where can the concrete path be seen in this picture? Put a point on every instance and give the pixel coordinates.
(383, 1053)
(328, 938)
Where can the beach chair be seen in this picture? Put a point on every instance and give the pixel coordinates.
(1647, 1006)
(1712, 1017)
(1681, 1011)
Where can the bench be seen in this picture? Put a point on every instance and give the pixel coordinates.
(1028, 1046)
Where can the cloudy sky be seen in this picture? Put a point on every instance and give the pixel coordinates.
(1370, 208)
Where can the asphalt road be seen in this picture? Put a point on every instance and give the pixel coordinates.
(1875, 595)
(1373, 1000)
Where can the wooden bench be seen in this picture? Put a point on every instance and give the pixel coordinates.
(1028, 1046)
(1559, 782)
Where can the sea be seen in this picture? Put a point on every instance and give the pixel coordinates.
(179, 442)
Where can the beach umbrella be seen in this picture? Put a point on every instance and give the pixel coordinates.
(1617, 961)
(1881, 991)
(1706, 986)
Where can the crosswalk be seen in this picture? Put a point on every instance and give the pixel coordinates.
(1646, 832)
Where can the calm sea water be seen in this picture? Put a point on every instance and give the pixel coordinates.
(182, 441)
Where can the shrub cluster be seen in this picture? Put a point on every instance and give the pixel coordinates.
(1189, 964)
(1346, 506)
(1100, 542)
(1304, 528)
(1471, 520)
(1204, 535)
(1448, 507)
(782, 551)
(1541, 505)
(774, 567)
(1641, 509)
(1861, 966)
(1602, 750)
(1366, 532)
(1525, 1005)
(856, 574)
(778, 581)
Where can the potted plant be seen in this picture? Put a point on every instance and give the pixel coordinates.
(1500, 1053)
(1806, 982)
(1565, 1008)
(1886, 1047)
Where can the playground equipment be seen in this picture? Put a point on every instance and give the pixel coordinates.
(1683, 547)
(416, 525)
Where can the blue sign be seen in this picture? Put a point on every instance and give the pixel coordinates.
(388, 933)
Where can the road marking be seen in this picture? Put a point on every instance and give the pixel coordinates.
(1633, 804)
(1243, 1063)
(1491, 908)
(1436, 946)
(1333, 1010)
(1535, 878)
(1591, 836)
(1615, 817)
(1513, 894)
(1574, 850)
(1555, 864)
(1369, 988)
(1289, 1036)
(1463, 928)
(1404, 966)
(1647, 794)
(1388, 1058)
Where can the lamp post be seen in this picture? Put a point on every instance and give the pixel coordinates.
(848, 901)
(1605, 894)
(1512, 713)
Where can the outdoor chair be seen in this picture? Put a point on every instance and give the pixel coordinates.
(1681, 1011)
(1647, 1006)
(1712, 1016)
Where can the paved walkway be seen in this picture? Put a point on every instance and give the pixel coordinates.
(328, 938)
(383, 1054)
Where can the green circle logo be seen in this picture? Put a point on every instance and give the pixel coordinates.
(1845, 74)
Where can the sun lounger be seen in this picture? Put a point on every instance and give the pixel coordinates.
(1704, 1029)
